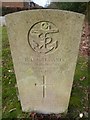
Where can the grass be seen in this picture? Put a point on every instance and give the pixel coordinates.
(11, 105)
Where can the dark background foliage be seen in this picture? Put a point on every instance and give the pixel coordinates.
(80, 7)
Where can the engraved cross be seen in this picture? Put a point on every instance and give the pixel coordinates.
(43, 85)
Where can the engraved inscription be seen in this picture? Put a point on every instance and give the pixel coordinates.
(40, 37)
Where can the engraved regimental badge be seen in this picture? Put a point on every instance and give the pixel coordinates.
(40, 37)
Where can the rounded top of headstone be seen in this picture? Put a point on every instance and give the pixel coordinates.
(46, 10)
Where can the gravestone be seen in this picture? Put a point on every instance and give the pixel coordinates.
(44, 46)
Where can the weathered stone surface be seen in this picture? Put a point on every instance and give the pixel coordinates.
(44, 46)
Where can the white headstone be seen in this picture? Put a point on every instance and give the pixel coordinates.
(44, 46)
(2, 21)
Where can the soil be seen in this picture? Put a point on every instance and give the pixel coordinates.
(85, 40)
